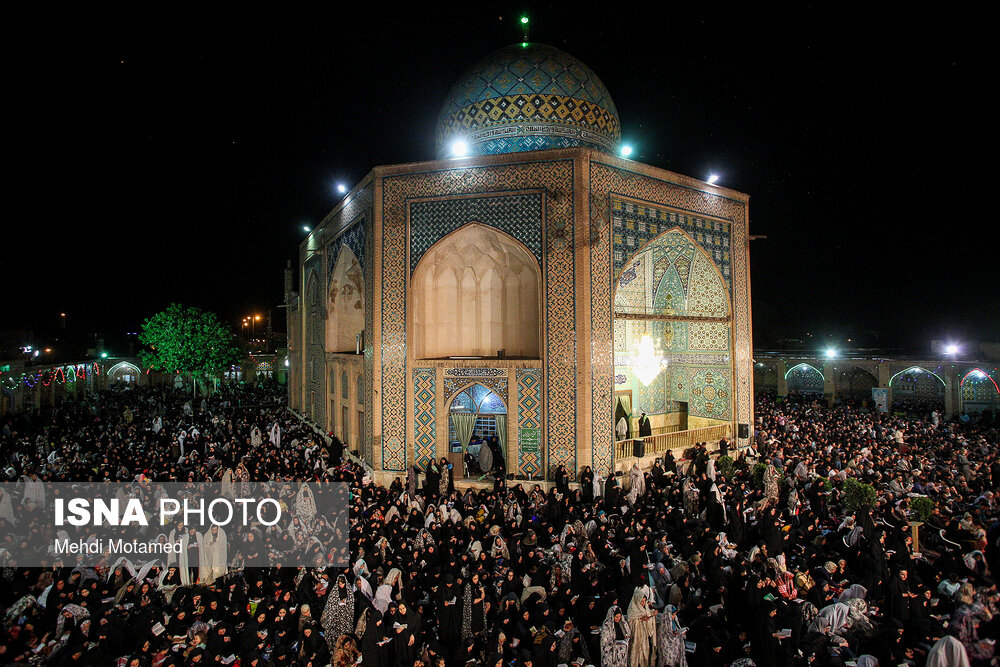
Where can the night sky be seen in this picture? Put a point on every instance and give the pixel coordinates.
(175, 155)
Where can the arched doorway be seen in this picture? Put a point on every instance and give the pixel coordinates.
(124, 373)
(805, 379)
(6, 400)
(917, 387)
(856, 383)
(476, 416)
(979, 392)
(765, 377)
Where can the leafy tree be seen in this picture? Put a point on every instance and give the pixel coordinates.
(189, 340)
(858, 495)
(921, 508)
(725, 465)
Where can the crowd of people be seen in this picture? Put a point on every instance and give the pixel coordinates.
(772, 554)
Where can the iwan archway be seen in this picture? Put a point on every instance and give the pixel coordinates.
(673, 291)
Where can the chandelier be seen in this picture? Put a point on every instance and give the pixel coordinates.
(647, 361)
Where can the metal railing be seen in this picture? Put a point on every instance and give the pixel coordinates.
(660, 443)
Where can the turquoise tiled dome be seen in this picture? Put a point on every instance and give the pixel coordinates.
(527, 97)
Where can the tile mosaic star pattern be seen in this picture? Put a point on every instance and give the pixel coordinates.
(635, 224)
(555, 177)
(519, 215)
(424, 422)
(709, 394)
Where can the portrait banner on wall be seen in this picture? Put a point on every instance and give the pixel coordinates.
(881, 399)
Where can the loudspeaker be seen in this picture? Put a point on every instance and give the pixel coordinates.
(744, 431)
(638, 448)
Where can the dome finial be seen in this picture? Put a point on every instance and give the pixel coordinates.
(524, 27)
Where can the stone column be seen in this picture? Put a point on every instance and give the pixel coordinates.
(952, 393)
(782, 369)
(829, 382)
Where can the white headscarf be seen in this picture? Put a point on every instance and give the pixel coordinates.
(833, 617)
(635, 608)
(948, 652)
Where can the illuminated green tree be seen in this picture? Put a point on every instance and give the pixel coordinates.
(188, 340)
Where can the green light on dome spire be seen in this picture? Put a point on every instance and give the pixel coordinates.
(524, 29)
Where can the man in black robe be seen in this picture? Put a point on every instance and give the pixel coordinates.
(645, 428)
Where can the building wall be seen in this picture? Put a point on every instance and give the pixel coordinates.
(612, 180)
(558, 205)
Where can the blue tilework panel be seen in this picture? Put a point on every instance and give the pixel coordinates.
(424, 410)
(529, 415)
(353, 238)
(519, 215)
(635, 224)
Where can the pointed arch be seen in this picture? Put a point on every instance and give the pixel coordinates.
(805, 378)
(856, 382)
(124, 371)
(671, 274)
(475, 291)
(978, 375)
(803, 366)
(345, 302)
(916, 369)
(484, 394)
(979, 392)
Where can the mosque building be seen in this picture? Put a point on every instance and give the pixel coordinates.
(529, 283)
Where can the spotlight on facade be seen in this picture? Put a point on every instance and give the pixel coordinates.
(713, 179)
(831, 353)
(306, 229)
(341, 188)
(104, 355)
(951, 349)
(459, 148)
(626, 150)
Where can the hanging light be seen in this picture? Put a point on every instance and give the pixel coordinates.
(647, 361)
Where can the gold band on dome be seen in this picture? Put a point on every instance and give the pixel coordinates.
(538, 107)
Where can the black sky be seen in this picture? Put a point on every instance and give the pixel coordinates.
(174, 155)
